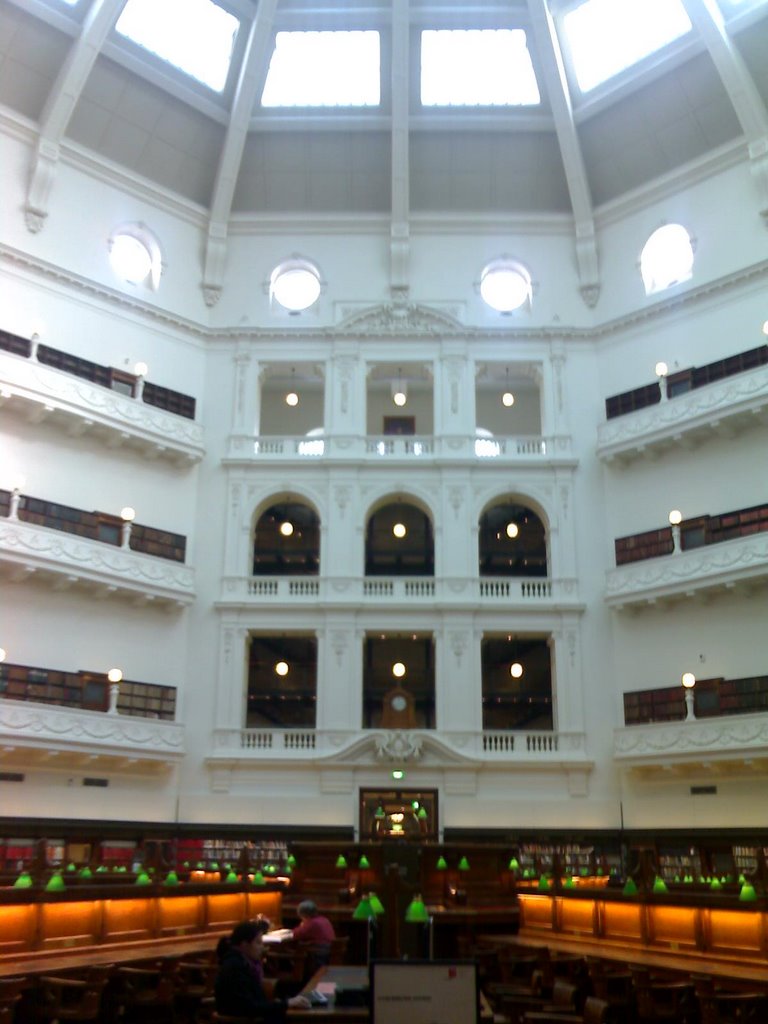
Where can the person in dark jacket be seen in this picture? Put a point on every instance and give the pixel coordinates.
(239, 985)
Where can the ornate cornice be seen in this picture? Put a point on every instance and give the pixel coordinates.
(710, 739)
(399, 320)
(76, 560)
(86, 405)
(443, 324)
(48, 727)
(740, 397)
(721, 565)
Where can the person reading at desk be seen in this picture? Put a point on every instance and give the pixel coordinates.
(315, 932)
(239, 987)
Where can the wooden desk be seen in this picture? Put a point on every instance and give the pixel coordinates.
(687, 963)
(125, 953)
(341, 977)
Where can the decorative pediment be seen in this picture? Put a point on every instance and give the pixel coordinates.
(396, 319)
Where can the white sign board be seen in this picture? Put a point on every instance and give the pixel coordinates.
(424, 992)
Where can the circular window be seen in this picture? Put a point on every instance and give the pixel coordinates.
(295, 284)
(505, 285)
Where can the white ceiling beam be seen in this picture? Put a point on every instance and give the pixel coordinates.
(251, 79)
(745, 98)
(61, 102)
(399, 227)
(556, 82)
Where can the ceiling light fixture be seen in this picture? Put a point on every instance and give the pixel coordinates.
(516, 670)
(512, 530)
(281, 668)
(399, 530)
(507, 399)
(399, 394)
(398, 670)
(286, 529)
(292, 397)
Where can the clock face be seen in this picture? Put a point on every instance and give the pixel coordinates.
(398, 702)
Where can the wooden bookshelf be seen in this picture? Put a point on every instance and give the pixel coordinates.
(88, 691)
(639, 546)
(15, 344)
(712, 697)
(105, 376)
(682, 381)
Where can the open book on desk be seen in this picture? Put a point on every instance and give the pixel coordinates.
(277, 936)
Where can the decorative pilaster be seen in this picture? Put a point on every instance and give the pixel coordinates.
(232, 677)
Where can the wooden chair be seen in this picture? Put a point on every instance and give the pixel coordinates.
(11, 991)
(147, 993)
(71, 999)
(596, 1011)
(194, 981)
(661, 999)
(613, 984)
(729, 1005)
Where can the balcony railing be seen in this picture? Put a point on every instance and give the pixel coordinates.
(540, 748)
(80, 406)
(706, 743)
(30, 550)
(386, 449)
(722, 408)
(725, 567)
(446, 592)
(61, 733)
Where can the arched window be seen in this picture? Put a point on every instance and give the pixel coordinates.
(666, 259)
(399, 542)
(287, 541)
(517, 682)
(512, 541)
(134, 254)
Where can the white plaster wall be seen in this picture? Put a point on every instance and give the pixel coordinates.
(587, 508)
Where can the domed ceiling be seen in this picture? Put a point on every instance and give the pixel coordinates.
(684, 110)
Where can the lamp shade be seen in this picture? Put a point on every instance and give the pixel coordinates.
(544, 883)
(379, 813)
(363, 911)
(659, 885)
(570, 882)
(232, 879)
(630, 888)
(442, 864)
(24, 881)
(171, 878)
(376, 905)
(715, 883)
(364, 862)
(258, 879)
(747, 894)
(55, 883)
(514, 864)
(71, 867)
(416, 911)
(143, 878)
(341, 861)
(86, 872)
(421, 814)
(290, 861)
(463, 864)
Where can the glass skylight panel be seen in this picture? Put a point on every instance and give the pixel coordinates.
(196, 36)
(607, 36)
(324, 69)
(477, 67)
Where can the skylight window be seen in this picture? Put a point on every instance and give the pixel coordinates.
(607, 36)
(196, 36)
(476, 67)
(324, 69)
